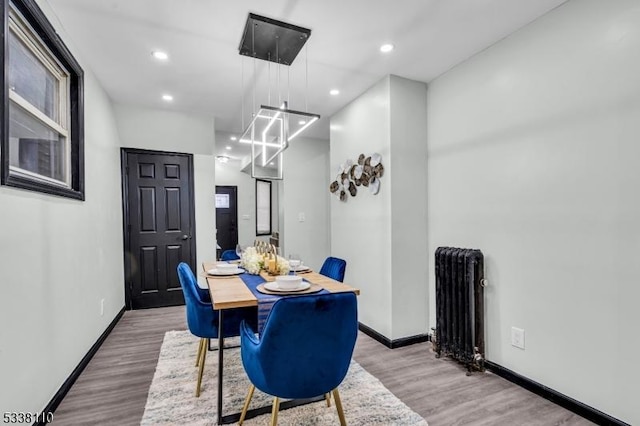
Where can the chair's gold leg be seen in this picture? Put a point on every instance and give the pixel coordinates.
(203, 356)
(274, 411)
(336, 397)
(327, 396)
(199, 352)
(246, 404)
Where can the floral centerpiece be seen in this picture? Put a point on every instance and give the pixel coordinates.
(283, 266)
(253, 262)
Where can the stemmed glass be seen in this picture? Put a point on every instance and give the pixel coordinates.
(294, 262)
(239, 250)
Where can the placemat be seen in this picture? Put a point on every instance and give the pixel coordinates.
(314, 288)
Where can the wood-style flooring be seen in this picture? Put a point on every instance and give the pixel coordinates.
(112, 390)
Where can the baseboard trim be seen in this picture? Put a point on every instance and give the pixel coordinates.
(393, 344)
(66, 386)
(556, 397)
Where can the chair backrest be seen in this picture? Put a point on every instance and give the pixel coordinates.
(306, 346)
(334, 267)
(200, 315)
(229, 255)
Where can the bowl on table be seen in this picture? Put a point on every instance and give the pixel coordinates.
(226, 267)
(288, 282)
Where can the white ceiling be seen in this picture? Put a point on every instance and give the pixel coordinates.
(204, 72)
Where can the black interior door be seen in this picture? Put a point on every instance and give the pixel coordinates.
(227, 217)
(159, 225)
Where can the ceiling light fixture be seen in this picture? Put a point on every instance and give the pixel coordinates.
(233, 138)
(167, 97)
(227, 147)
(272, 127)
(222, 158)
(160, 55)
(386, 48)
(334, 92)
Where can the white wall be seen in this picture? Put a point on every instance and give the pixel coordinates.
(163, 130)
(533, 158)
(406, 178)
(305, 190)
(361, 226)
(383, 237)
(58, 259)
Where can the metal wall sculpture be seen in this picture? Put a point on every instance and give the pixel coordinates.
(366, 172)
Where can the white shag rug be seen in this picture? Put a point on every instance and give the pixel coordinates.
(172, 401)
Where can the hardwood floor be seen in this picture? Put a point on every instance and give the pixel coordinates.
(112, 390)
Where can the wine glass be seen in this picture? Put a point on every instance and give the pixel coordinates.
(294, 262)
(239, 250)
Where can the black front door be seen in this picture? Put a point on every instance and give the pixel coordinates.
(159, 225)
(227, 217)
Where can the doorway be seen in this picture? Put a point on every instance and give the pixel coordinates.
(159, 225)
(227, 217)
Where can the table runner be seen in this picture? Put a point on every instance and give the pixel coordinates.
(266, 301)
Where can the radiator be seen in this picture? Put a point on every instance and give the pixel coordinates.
(459, 331)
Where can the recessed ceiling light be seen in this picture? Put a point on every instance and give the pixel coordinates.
(385, 48)
(334, 92)
(271, 163)
(233, 138)
(167, 97)
(227, 147)
(160, 55)
(222, 158)
(301, 122)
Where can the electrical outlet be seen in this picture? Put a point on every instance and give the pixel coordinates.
(517, 337)
(301, 217)
(101, 307)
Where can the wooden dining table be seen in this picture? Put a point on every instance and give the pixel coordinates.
(229, 292)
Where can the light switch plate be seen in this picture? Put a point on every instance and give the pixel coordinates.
(517, 337)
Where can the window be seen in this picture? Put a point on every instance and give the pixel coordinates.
(263, 207)
(42, 125)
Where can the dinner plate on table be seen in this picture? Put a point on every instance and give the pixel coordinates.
(302, 268)
(220, 273)
(273, 286)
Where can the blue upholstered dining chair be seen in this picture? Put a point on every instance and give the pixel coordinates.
(334, 267)
(202, 319)
(229, 255)
(304, 350)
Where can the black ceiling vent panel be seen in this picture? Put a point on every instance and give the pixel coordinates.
(272, 40)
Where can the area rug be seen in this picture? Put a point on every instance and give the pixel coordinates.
(171, 399)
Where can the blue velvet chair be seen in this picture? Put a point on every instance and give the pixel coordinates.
(229, 255)
(304, 350)
(202, 319)
(334, 268)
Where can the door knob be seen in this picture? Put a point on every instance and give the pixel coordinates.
(185, 237)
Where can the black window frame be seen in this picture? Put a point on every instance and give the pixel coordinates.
(43, 28)
(258, 233)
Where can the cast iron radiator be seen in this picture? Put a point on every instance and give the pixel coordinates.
(459, 329)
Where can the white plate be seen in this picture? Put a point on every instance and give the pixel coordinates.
(273, 286)
(300, 268)
(215, 271)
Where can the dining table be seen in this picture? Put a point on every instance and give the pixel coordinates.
(233, 291)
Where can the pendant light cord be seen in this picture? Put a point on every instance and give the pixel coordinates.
(242, 92)
(306, 78)
(253, 48)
